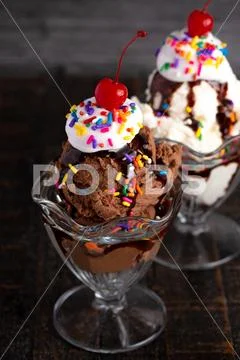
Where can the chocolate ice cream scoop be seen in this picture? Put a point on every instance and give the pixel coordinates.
(126, 186)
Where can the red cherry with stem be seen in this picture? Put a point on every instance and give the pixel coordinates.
(200, 22)
(111, 94)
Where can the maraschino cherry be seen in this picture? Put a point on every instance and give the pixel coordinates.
(200, 22)
(111, 94)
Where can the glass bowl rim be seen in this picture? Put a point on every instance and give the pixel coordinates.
(44, 202)
(201, 154)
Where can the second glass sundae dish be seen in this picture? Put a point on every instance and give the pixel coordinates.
(193, 99)
(107, 202)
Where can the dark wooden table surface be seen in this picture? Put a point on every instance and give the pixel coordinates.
(32, 114)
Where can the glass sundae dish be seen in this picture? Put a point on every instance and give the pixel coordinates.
(109, 258)
(202, 238)
(107, 202)
(193, 99)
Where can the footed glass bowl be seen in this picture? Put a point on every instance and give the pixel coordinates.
(202, 238)
(106, 314)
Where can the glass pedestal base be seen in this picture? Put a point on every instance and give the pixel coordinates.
(109, 327)
(217, 244)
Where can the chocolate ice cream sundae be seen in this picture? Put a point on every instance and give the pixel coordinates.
(109, 169)
(107, 214)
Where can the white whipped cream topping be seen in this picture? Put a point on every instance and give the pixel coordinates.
(181, 52)
(91, 128)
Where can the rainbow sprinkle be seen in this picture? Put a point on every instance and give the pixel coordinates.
(90, 139)
(110, 142)
(80, 130)
(129, 187)
(73, 169)
(64, 180)
(118, 177)
(188, 48)
(198, 133)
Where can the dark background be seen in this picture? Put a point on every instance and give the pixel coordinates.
(79, 42)
(85, 37)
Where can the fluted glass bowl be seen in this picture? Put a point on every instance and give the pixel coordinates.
(202, 238)
(108, 259)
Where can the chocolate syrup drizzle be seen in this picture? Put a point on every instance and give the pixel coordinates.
(225, 108)
(167, 88)
(194, 125)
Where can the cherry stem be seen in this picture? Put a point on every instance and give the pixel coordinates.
(139, 34)
(208, 2)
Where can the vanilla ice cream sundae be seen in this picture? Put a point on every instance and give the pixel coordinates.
(193, 97)
(193, 92)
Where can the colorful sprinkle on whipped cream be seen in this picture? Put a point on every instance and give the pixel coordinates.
(91, 128)
(186, 58)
